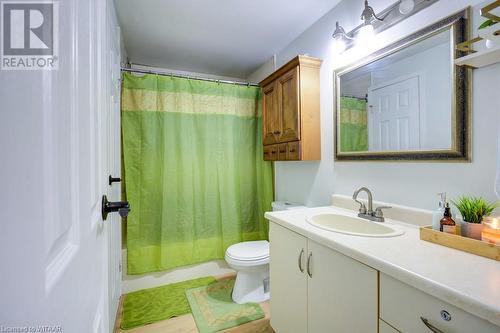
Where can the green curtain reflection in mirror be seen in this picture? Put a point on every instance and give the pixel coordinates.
(353, 124)
(193, 168)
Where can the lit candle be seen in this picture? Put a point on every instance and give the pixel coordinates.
(491, 231)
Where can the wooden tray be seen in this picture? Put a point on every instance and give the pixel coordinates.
(470, 245)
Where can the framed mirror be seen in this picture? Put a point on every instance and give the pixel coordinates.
(407, 101)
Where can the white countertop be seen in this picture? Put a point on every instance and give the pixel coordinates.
(464, 280)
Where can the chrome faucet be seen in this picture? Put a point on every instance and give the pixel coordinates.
(369, 214)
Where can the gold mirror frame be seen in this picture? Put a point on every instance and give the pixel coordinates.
(460, 151)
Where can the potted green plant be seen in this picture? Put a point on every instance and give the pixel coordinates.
(473, 210)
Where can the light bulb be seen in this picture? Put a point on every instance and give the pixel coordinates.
(366, 33)
(406, 6)
(338, 45)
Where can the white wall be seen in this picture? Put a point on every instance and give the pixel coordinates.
(162, 70)
(263, 71)
(412, 184)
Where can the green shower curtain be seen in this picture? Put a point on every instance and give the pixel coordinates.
(353, 124)
(193, 169)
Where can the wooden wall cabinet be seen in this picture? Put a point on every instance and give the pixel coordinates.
(291, 111)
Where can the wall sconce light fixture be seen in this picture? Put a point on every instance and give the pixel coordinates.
(373, 22)
(340, 39)
(367, 31)
(406, 6)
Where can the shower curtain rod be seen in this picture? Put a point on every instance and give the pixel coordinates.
(144, 71)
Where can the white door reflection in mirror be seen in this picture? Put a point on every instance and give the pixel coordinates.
(394, 116)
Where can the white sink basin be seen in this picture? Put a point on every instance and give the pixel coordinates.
(352, 225)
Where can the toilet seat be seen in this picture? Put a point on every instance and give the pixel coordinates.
(255, 251)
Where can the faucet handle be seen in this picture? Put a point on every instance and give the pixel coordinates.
(378, 211)
(362, 207)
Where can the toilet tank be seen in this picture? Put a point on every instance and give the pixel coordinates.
(285, 205)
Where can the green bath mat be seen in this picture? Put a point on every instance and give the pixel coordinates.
(151, 305)
(214, 310)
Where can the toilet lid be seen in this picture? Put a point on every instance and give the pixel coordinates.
(249, 250)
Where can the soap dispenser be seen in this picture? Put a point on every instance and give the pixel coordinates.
(437, 214)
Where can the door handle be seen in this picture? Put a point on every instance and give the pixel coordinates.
(309, 265)
(112, 180)
(122, 207)
(301, 269)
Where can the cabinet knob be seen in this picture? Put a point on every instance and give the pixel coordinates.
(445, 315)
(292, 150)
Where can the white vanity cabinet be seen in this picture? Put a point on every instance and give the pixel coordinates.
(405, 308)
(318, 290)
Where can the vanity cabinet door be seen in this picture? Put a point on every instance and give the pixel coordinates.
(342, 293)
(288, 278)
(270, 114)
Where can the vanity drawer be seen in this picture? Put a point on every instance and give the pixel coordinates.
(403, 306)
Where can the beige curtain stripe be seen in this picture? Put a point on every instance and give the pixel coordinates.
(181, 102)
(354, 117)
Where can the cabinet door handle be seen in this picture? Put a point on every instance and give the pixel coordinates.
(430, 326)
(301, 269)
(309, 265)
(276, 132)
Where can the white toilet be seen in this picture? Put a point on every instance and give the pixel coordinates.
(251, 262)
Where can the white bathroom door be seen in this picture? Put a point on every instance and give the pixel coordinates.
(114, 220)
(56, 128)
(394, 116)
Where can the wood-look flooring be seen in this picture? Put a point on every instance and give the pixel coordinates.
(186, 323)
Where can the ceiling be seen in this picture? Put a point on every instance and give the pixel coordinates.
(223, 37)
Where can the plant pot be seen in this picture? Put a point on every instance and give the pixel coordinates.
(471, 230)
